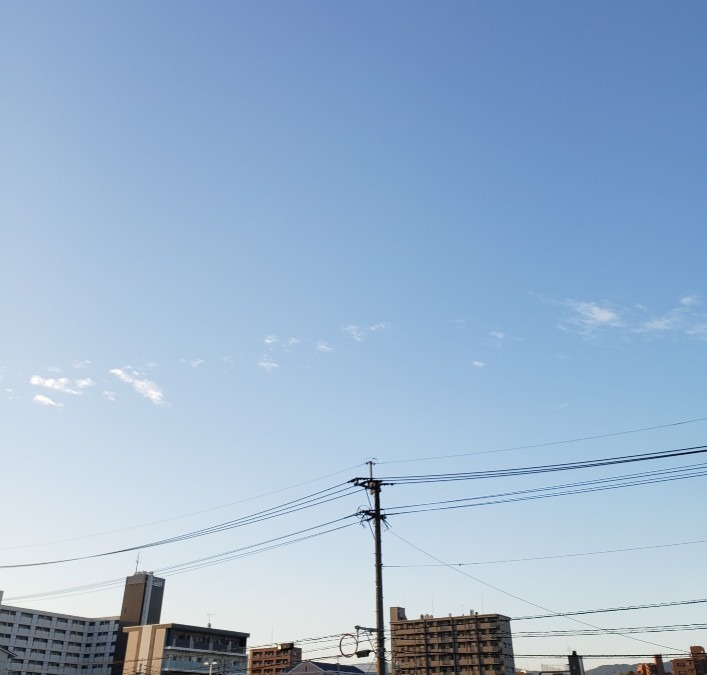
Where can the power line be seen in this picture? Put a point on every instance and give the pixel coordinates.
(517, 597)
(612, 631)
(580, 487)
(309, 501)
(625, 608)
(558, 555)
(544, 468)
(207, 561)
(183, 515)
(549, 443)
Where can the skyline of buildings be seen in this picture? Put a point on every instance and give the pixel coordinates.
(38, 642)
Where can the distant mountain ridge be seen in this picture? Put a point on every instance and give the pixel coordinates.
(611, 669)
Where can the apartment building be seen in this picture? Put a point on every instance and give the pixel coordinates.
(161, 649)
(52, 643)
(273, 660)
(46, 643)
(473, 644)
(695, 665)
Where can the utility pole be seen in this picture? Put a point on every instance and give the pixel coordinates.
(374, 487)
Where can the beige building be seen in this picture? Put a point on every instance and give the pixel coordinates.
(473, 644)
(655, 668)
(695, 665)
(273, 660)
(159, 649)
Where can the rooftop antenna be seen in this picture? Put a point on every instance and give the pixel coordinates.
(208, 616)
(137, 562)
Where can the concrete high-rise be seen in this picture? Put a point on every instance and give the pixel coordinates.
(473, 644)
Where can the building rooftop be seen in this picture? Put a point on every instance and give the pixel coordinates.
(326, 667)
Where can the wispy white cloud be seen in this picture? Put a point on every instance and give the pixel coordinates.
(46, 401)
(194, 363)
(683, 319)
(499, 335)
(478, 364)
(271, 339)
(141, 384)
(62, 384)
(110, 395)
(79, 364)
(661, 323)
(360, 333)
(589, 317)
(267, 364)
(356, 332)
(324, 347)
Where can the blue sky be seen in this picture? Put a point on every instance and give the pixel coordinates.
(249, 245)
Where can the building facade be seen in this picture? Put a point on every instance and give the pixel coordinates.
(50, 643)
(695, 665)
(142, 604)
(273, 660)
(473, 644)
(160, 649)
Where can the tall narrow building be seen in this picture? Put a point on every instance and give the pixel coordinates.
(473, 644)
(142, 605)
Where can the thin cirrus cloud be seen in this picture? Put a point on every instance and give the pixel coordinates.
(62, 384)
(588, 317)
(360, 333)
(324, 347)
(478, 364)
(141, 384)
(591, 318)
(267, 364)
(41, 399)
(193, 363)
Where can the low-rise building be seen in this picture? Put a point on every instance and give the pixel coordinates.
(322, 668)
(160, 649)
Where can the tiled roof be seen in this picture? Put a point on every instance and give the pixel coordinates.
(324, 667)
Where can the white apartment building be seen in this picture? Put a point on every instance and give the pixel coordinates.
(47, 643)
